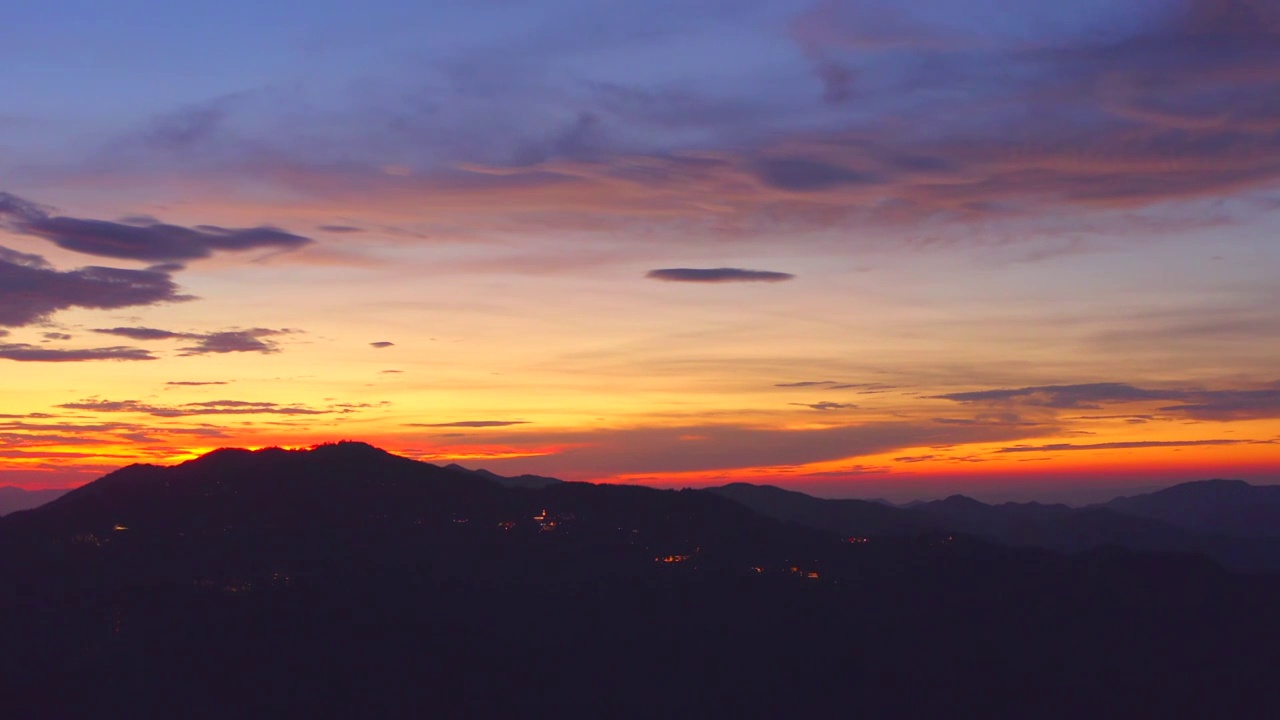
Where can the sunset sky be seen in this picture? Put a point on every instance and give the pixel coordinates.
(1018, 249)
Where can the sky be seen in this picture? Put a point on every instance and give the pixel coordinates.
(1015, 249)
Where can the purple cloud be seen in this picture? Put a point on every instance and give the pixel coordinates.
(150, 241)
(229, 341)
(22, 352)
(1065, 396)
(143, 333)
(801, 175)
(1223, 405)
(717, 275)
(31, 290)
(1216, 405)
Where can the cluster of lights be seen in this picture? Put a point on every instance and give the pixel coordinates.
(87, 539)
(672, 558)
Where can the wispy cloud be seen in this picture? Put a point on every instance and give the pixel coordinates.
(801, 175)
(1131, 445)
(915, 458)
(1087, 396)
(1168, 101)
(833, 385)
(225, 341)
(696, 447)
(1200, 404)
(211, 407)
(1229, 405)
(22, 352)
(827, 405)
(470, 424)
(143, 333)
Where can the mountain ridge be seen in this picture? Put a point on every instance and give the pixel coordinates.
(15, 499)
(1181, 518)
(340, 581)
(1232, 507)
(1146, 522)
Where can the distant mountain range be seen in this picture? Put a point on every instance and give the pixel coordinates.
(13, 499)
(517, 481)
(1232, 522)
(1229, 507)
(345, 581)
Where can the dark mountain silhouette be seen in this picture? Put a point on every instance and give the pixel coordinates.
(344, 581)
(848, 517)
(1067, 529)
(1055, 527)
(520, 481)
(13, 499)
(1227, 507)
(1059, 527)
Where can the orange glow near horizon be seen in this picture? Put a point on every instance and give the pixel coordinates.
(876, 373)
(903, 473)
(874, 275)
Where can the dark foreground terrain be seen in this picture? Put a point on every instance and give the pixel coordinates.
(346, 582)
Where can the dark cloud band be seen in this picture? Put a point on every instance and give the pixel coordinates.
(717, 275)
(471, 424)
(228, 341)
(146, 240)
(1218, 405)
(22, 352)
(1135, 445)
(142, 333)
